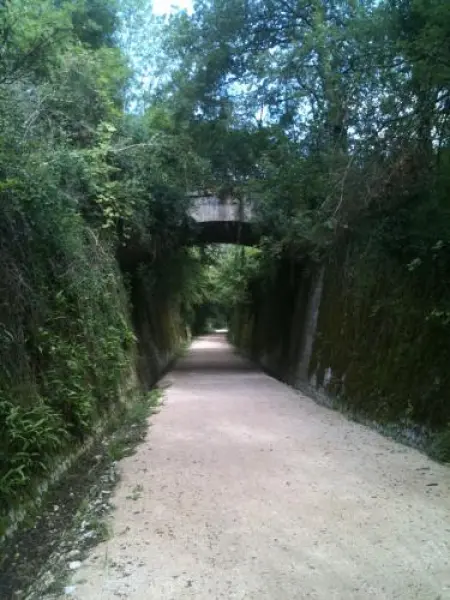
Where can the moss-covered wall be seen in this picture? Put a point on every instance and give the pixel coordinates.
(361, 327)
(382, 344)
(274, 326)
(159, 328)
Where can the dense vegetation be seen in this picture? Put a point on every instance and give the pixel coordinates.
(77, 174)
(332, 116)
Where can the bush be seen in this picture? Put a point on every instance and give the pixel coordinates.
(65, 340)
(440, 446)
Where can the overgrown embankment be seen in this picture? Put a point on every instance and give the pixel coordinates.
(66, 342)
(67, 346)
(78, 178)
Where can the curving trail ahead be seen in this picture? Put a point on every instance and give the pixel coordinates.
(246, 489)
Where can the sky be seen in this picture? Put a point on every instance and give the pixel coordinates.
(161, 7)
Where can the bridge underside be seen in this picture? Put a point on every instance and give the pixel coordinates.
(193, 234)
(225, 232)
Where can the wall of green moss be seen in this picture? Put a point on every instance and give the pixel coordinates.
(382, 343)
(158, 325)
(363, 327)
(273, 327)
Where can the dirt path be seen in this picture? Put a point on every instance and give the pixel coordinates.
(246, 489)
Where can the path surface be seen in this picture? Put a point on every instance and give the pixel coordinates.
(245, 489)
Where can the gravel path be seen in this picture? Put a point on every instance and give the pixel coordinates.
(246, 489)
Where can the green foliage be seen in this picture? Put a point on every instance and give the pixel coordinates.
(133, 421)
(27, 436)
(95, 22)
(324, 112)
(78, 179)
(221, 279)
(65, 342)
(227, 276)
(440, 446)
(32, 33)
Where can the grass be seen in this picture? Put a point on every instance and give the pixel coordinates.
(88, 525)
(439, 448)
(133, 425)
(136, 492)
(101, 529)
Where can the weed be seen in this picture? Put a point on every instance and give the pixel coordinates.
(101, 529)
(136, 492)
(133, 420)
(56, 587)
(439, 448)
(118, 449)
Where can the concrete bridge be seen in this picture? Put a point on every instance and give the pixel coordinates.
(222, 220)
(209, 220)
